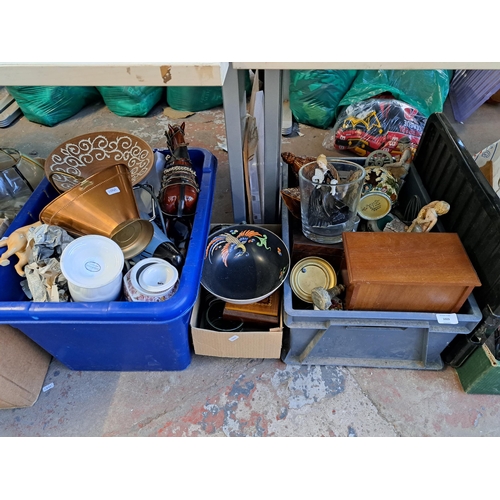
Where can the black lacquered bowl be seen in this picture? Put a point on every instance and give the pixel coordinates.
(244, 264)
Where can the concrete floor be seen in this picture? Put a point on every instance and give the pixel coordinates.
(245, 397)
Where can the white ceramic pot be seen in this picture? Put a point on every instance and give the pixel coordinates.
(150, 280)
(93, 266)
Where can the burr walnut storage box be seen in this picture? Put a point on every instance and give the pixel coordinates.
(425, 272)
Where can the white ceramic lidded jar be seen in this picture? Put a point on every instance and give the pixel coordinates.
(93, 266)
(150, 280)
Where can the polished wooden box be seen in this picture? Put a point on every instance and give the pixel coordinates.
(420, 272)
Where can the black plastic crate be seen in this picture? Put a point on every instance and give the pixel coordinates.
(449, 173)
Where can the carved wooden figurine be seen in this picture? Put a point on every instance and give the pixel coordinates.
(428, 216)
(296, 162)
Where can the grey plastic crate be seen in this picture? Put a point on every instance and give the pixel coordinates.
(378, 339)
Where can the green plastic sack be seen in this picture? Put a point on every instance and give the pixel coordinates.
(315, 94)
(131, 101)
(426, 90)
(194, 98)
(51, 105)
(198, 98)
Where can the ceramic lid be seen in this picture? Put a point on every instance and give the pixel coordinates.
(374, 205)
(310, 273)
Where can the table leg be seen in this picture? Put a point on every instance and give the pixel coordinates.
(272, 146)
(234, 96)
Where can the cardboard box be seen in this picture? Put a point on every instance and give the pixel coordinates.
(488, 161)
(422, 272)
(257, 344)
(23, 367)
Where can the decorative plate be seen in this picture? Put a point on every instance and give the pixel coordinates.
(87, 154)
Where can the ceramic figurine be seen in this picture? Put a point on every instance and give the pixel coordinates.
(324, 208)
(428, 216)
(16, 244)
(179, 193)
(400, 168)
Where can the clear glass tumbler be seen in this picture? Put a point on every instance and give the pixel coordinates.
(329, 199)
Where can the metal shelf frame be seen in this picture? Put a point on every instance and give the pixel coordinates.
(273, 72)
(230, 76)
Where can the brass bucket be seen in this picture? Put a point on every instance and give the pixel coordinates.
(104, 204)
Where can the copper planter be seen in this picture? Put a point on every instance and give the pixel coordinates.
(103, 204)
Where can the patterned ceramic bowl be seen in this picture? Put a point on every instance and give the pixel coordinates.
(150, 280)
(380, 179)
(244, 264)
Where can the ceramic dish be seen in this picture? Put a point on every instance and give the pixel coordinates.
(374, 205)
(150, 280)
(87, 154)
(244, 264)
(379, 179)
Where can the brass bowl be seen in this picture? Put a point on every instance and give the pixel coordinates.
(87, 154)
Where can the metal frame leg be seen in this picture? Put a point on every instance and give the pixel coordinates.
(272, 146)
(234, 97)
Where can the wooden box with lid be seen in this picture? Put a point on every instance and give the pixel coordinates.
(420, 272)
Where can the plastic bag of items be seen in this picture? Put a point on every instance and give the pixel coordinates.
(424, 90)
(315, 94)
(194, 98)
(51, 105)
(184, 98)
(44, 279)
(131, 101)
(375, 124)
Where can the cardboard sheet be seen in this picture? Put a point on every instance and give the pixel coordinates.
(23, 367)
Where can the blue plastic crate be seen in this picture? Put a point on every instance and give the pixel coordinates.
(114, 336)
